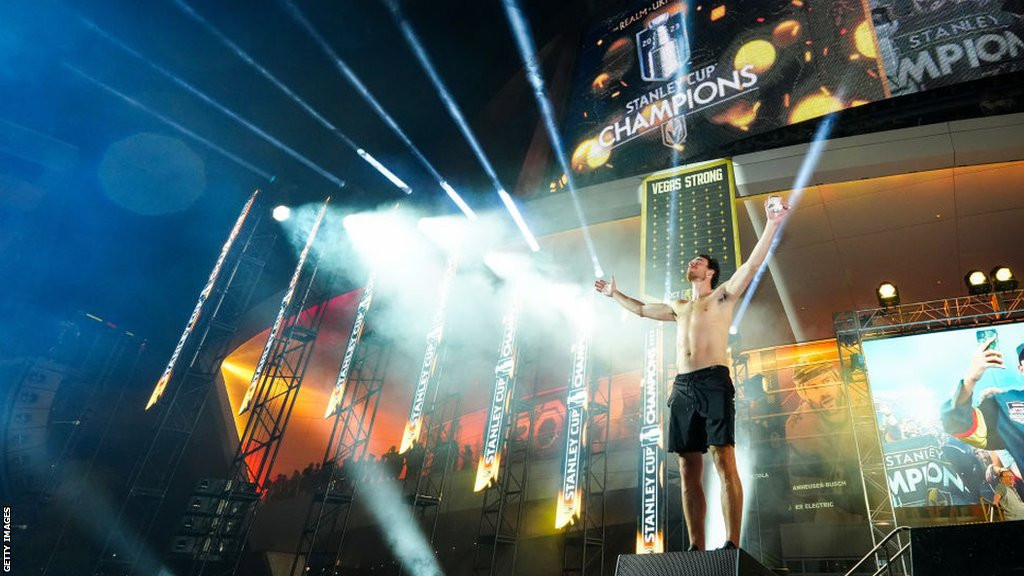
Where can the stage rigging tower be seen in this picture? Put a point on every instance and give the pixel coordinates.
(501, 516)
(127, 538)
(323, 532)
(583, 554)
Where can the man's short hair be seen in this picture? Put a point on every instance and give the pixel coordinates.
(712, 264)
(1020, 354)
(810, 367)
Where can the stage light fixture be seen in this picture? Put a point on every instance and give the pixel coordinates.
(888, 295)
(977, 283)
(1003, 279)
(281, 213)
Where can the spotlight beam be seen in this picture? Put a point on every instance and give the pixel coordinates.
(245, 57)
(398, 527)
(510, 205)
(803, 176)
(368, 97)
(442, 91)
(185, 131)
(681, 73)
(220, 107)
(521, 33)
(670, 255)
(460, 121)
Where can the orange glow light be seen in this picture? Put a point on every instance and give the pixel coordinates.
(740, 115)
(410, 435)
(864, 40)
(487, 475)
(568, 508)
(718, 13)
(158, 390)
(589, 155)
(601, 82)
(786, 32)
(760, 54)
(813, 106)
(656, 547)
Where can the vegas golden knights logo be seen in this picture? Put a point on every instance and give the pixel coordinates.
(673, 132)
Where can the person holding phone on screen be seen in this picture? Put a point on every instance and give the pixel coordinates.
(996, 421)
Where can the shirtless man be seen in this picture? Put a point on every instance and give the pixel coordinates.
(702, 398)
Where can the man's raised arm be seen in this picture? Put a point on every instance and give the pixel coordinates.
(745, 273)
(653, 311)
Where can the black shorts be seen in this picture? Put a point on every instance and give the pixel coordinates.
(702, 411)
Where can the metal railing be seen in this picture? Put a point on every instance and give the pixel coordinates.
(882, 545)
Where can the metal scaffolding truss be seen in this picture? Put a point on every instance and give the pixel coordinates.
(852, 328)
(429, 476)
(963, 311)
(91, 423)
(584, 541)
(504, 501)
(502, 513)
(269, 414)
(124, 547)
(323, 532)
(881, 516)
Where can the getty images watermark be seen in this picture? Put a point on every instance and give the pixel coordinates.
(8, 554)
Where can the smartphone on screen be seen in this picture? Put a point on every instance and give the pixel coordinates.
(989, 334)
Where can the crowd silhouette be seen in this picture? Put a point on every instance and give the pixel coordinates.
(391, 464)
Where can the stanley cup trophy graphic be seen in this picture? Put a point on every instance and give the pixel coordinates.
(663, 48)
(664, 52)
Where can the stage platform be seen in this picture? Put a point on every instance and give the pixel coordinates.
(973, 549)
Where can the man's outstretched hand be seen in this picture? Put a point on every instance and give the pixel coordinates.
(606, 288)
(775, 210)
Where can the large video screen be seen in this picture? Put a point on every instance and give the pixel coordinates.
(938, 449)
(802, 448)
(661, 82)
(926, 44)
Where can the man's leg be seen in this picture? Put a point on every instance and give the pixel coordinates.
(691, 468)
(732, 490)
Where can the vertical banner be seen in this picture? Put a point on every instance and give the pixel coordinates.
(650, 534)
(161, 384)
(686, 212)
(504, 390)
(414, 426)
(570, 494)
(350, 348)
(285, 304)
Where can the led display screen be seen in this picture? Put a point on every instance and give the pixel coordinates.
(938, 451)
(661, 83)
(933, 43)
